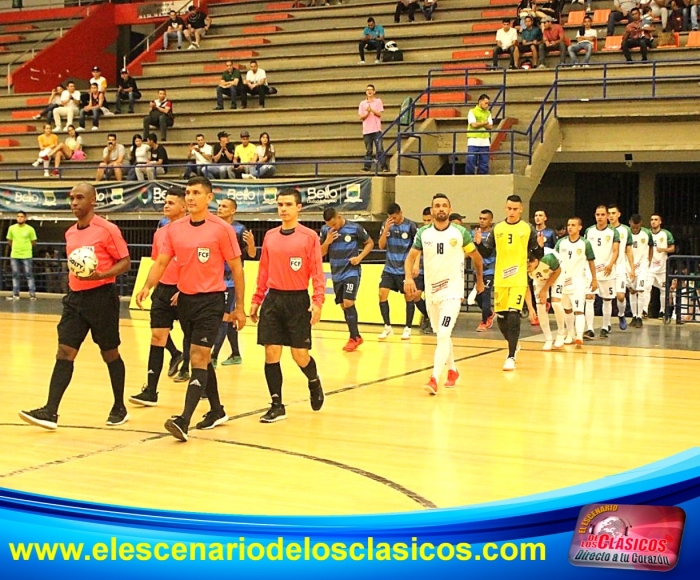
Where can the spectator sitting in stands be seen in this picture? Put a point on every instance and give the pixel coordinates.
(71, 150)
(70, 100)
(99, 80)
(231, 84)
(530, 39)
(198, 158)
(620, 13)
(112, 160)
(554, 39)
(96, 101)
(677, 15)
(221, 159)
(529, 8)
(429, 6)
(47, 142)
(636, 35)
(158, 163)
(53, 102)
(373, 39)
(160, 116)
(587, 2)
(265, 156)
(256, 82)
(506, 40)
(584, 41)
(126, 91)
(244, 154)
(197, 26)
(175, 30)
(409, 6)
(139, 156)
(656, 8)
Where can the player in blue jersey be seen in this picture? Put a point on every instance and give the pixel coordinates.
(484, 299)
(246, 241)
(396, 237)
(549, 235)
(346, 244)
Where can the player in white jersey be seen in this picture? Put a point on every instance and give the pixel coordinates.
(577, 261)
(545, 274)
(641, 256)
(663, 244)
(625, 261)
(443, 246)
(606, 246)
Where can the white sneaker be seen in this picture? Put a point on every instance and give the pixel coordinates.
(65, 129)
(386, 333)
(46, 174)
(79, 129)
(36, 163)
(559, 342)
(406, 333)
(95, 129)
(190, 47)
(547, 345)
(377, 61)
(57, 128)
(361, 62)
(509, 365)
(569, 340)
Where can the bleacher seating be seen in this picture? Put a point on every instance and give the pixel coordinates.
(310, 56)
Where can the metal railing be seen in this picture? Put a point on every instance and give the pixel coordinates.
(418, 109)
(65, 24)
(682, 285)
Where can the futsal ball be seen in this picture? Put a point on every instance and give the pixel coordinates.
(82, 262)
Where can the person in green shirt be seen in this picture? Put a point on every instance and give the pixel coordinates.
(21, 237)
(231, 84)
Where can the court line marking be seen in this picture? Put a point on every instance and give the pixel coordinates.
(412, 495)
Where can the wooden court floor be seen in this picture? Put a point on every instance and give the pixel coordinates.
(380, 444)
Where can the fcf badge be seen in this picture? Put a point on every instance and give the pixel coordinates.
(203, 255)
(295, 264)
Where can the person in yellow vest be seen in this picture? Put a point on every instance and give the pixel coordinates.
(478, 141)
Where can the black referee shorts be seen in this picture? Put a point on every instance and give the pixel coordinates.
(96, 311)
(201, 316)
(285, 319)
(163, 313)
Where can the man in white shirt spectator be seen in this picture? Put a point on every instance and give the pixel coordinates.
(256, 82)
(199, 157)
(584, 41)
(70, 102)
(112, 159)
(98, 79)
(506, 39)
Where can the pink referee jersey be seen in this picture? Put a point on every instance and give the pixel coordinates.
(171, 276)
(106, 240)
(288, 261)
(200, 250)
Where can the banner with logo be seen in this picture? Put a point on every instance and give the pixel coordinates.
(149, 196)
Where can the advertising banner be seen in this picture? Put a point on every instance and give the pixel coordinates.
(347, 194)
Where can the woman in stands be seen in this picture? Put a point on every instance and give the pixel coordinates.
(47, 141)
(265, 156)
(71, 150)
(140, 155)
(53, 102)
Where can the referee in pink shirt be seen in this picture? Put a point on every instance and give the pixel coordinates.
(200, 243)
(291, 256)
(91, 305)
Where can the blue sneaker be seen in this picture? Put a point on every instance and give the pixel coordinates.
(623, 323)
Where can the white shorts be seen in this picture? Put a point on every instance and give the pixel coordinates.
(621, 283)
(639, 284)
(606, 289)
(443, 315)
(575, 301)
(656, 280)
(554, 292)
